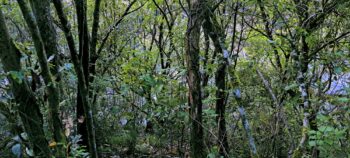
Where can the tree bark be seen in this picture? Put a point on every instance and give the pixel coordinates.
(82, 86)
(28, 108)
(42, 12)
(43, 16)
(216, 33)
(194, 79)
(300, 56)
(93, 43)
(245, 122)
(84, 56)
(53, 91)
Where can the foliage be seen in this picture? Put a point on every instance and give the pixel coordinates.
(289, 61)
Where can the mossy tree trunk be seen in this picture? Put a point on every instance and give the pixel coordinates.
(216, 33)
(84, 56)
(41, 49)
(194, 79)
(28, 108)
(82, 79)
(303, 53)
(42, 12)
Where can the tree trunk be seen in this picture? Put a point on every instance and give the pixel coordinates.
(246, 127)
(42, 12)
(216, 34)
(84, 56)
(82, 86)
(93, 43)
(28, 108)
(53, 91)
(45, 24)
(301, 58)
(194, 79)
(220, 107)
(245, 122)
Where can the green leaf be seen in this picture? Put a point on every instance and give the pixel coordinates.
(338, 70)
(329, 142)
(211, 155)
(17, 76)
(343, 99)
(159, 88)
(294, 85)
(326, 129)
(312, 143)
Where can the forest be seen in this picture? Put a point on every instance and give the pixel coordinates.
(175, 78)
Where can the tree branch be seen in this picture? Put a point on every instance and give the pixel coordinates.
(126, 12)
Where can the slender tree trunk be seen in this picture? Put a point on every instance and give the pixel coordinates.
(220, 82)
(301, 58)
(194, 79)
(216, 34)
(84, 56)
(304, 95)
(45, 24)
(93, 55)
(42, 12)
(53, 91)
(82, 86)
(309, 119)
(245, 122)
(246, 126)
(28, 108)
(93, 43)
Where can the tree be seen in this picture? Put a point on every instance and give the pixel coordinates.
(198, 78)
(216, 33)
(47, 30)
(82, 80)
(193, 78)
(28, 105)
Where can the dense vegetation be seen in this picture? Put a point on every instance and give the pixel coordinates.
(174, 78)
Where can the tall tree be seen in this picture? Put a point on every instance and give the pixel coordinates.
(29, 109)
(82, 79)
(44, 20)
(216, 33)
(51, 85)
(303, 53)
(84, 56)
(195, 20)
